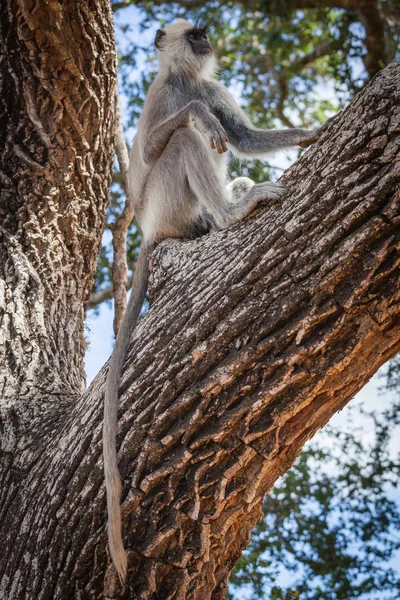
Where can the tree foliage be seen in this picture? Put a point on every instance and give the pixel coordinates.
(292, 62)
(331, 526)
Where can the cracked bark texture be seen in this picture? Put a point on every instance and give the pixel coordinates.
(57, 68)
(255, 337)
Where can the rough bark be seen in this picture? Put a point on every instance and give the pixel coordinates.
(255, 337)
(57, 68)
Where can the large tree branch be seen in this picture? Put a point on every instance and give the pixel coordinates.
(255, 337)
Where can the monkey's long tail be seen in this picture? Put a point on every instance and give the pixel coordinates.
(112, 477)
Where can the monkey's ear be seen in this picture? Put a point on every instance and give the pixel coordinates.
(159, 36)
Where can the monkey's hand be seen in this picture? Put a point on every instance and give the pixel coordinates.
(315, 134)
(210, 125)
(310, 138)
(217, 136)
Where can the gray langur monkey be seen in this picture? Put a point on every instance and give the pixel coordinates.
(177, 184)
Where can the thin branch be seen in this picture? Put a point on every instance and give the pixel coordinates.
(106, 294)
(283, 92)
(118, 5)
(318, 52)
(119, 229)
(121, 148)
(281, 79)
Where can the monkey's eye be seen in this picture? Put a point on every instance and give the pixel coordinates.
(205, 38)
(191, 36)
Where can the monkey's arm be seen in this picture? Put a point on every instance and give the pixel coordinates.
(161, 133)
(245, 139)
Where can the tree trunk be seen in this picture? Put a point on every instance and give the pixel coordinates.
(58, 75)
(256, 335)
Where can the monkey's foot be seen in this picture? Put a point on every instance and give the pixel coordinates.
(267, 191)
(239, 188)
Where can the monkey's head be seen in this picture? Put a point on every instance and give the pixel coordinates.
(185, 49)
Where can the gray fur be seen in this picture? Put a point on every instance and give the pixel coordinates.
(177, 176)
(112, 478)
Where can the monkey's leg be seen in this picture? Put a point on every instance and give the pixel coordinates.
(171, 207)
(226, 205)
(267, 190)
(188, 182)
(205, 175)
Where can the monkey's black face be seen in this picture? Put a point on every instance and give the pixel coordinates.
(198, 40)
